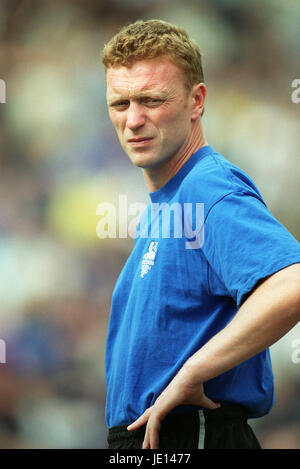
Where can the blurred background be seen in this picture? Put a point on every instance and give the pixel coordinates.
(60, 158)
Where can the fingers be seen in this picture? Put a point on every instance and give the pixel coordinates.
(152, 419)
(142, 420)
(151, 440)
(208, 403)
(154, 415)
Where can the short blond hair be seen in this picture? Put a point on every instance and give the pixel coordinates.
(151, 39)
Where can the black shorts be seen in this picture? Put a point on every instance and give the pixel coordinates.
(222, 428)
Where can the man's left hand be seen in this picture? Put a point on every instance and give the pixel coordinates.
(176, 393)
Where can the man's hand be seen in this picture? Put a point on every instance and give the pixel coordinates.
(178, 392)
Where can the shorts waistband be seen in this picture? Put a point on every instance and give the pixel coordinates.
(226, 412)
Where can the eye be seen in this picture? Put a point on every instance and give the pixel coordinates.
(152, 101)
(119, 104)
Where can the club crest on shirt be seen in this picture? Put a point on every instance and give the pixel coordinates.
(149, 258)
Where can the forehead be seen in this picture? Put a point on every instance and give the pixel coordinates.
(147, 75)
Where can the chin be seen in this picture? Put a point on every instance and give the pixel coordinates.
(141, 164)
(143, 161)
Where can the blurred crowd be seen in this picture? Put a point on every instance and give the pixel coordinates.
(60, 158)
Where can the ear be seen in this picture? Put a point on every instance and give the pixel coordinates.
(198, 95)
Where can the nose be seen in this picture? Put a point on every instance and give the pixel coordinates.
(135, 116)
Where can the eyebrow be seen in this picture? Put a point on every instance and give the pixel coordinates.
(140, 95)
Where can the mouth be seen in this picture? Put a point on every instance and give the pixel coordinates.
(139, 141)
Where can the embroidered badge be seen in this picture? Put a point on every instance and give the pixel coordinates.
(148, 259)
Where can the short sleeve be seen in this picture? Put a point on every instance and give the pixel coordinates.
(244, 243)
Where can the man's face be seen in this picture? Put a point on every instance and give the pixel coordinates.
(150, 108)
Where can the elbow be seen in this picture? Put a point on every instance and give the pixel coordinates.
(292, 298)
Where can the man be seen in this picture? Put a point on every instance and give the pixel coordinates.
(187, 360)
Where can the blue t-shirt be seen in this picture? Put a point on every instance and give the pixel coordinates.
(177, 291)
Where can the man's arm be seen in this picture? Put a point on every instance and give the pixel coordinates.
(272, 309)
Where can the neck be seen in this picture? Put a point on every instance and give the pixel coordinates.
(156, 178)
